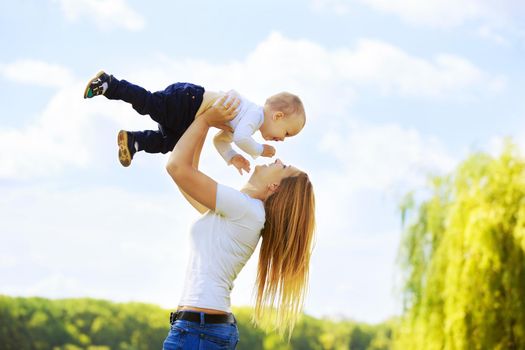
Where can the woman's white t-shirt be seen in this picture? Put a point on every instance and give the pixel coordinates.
(221, 242)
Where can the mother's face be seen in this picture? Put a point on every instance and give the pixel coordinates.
(273, 173)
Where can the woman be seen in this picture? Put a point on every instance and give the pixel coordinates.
(277, 203)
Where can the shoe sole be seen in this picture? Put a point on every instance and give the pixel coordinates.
(124, 156)
(99, 74)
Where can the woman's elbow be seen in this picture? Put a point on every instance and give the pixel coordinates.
(173, 169)
(178, 172)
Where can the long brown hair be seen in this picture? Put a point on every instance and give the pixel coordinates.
(284, 257)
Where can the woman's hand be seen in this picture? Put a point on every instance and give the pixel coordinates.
(222, 111)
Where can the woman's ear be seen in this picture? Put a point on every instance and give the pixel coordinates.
(272, 188)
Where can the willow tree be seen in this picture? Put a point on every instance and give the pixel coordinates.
(463, 259)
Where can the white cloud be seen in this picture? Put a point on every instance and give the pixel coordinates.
(340, 7)
(498, 21)
(328, 81)
(382, 157)
(340, 74)
(45, 146)
(395, 72)
(489, 33)
(62, 136)
(35, 72)
(84, 238)
(359, 268)
(370, 168)
(438, 13)
(496, 145)
(7, 261)
(105, 13)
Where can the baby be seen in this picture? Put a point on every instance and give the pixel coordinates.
(175, 108)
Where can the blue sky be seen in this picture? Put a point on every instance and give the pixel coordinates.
(394, 91)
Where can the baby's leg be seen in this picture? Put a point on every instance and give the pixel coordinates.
(182, 103)
(173, 108)
(130, 142)
(142, 100)
(155, 141)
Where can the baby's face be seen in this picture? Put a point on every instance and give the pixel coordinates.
(277, 129)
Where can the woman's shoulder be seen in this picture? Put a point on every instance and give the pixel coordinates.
(253, 205)
(257, 207)
(235, 204)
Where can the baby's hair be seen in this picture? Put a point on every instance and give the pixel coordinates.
(287, 103)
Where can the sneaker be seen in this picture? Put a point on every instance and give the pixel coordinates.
(126, 147)
(98, 85)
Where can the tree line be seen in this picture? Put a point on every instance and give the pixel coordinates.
(91, 324)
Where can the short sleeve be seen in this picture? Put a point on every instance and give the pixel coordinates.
(230, 203)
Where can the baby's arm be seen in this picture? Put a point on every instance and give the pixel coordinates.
(242, 136)
(222, 142)
(248, 145)
(268, 151)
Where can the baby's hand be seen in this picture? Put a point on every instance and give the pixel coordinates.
(268, 151)
(240, 163)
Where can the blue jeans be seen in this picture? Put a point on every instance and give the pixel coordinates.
(186, 335)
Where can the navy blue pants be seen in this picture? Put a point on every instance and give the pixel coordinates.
(173, 108)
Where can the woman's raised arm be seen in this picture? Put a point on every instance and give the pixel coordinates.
(181, 166)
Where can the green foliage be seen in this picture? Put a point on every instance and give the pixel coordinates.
(463, 259)
(89, 324)
(71, 324)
